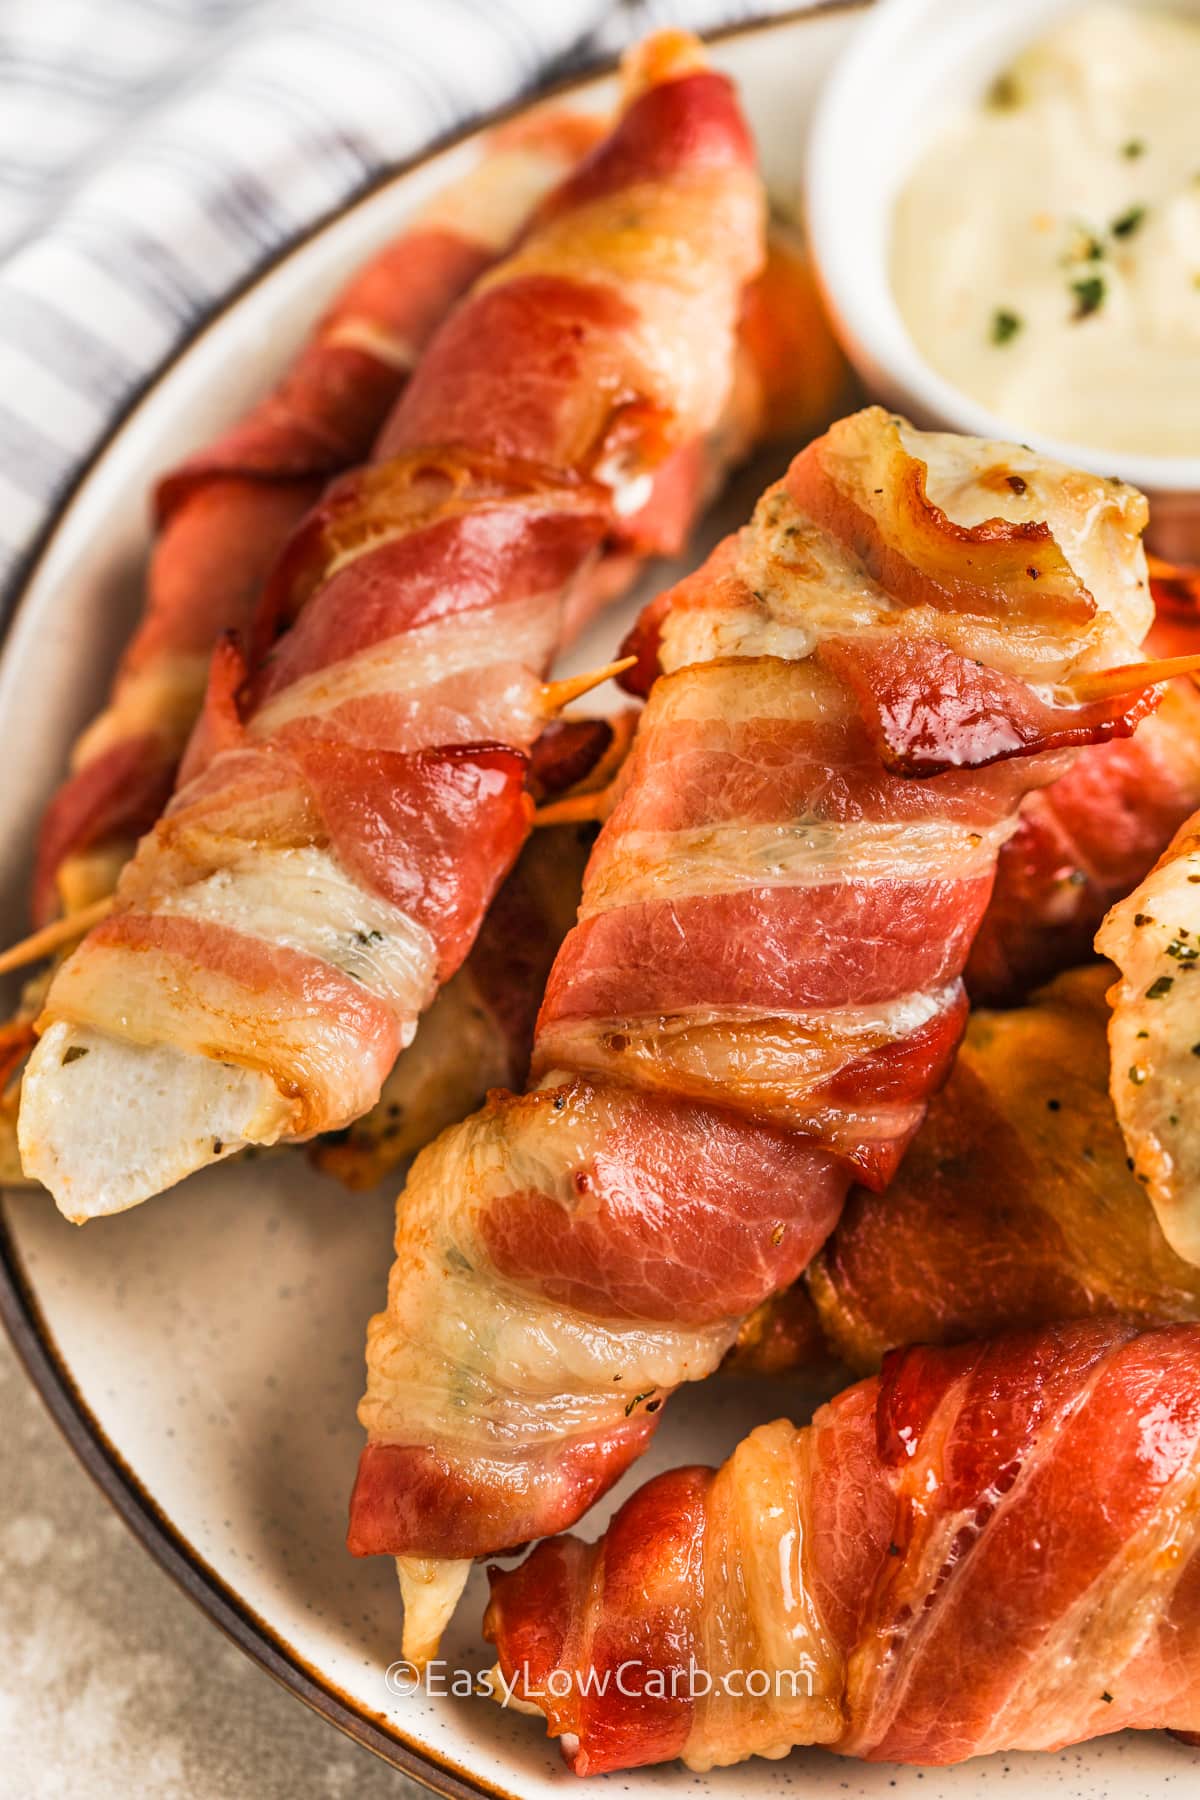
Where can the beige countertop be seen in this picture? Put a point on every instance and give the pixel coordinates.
(111, 1682)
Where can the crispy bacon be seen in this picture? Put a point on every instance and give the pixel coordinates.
(478, 1035)
(224, 514)
(324, 1038)
(1013, 1207)
(912, 547)
(479, 1031)
(425, 829)
(761, 993)
(1083, 843)
(958, 617)
(1037, 1496)
(425, 598)
(929, 709)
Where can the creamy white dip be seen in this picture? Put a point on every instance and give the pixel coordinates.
(1046, 248)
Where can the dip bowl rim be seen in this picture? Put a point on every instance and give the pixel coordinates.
(928, 56)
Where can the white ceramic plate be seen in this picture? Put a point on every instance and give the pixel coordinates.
(204, 1353)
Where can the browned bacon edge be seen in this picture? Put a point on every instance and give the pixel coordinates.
(928, 1495)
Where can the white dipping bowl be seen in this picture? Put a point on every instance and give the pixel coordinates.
(909, 67)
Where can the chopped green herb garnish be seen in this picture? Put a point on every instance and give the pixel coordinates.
(1089, 296)
(1084, 244)
(1133, 148)
(1128, 222)
(1005, 325)
(73, 1054)
(1184, 953)
(637, 1400)
(1137, 1074)
(1158, 990)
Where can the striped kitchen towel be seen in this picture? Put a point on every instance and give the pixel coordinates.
(152, 152)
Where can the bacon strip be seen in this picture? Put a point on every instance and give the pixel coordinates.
(223, 515)
(760, 996)
(478, 1033)
(887, 1569)
(1083, 843)
(1013, 1207)
(425, 596)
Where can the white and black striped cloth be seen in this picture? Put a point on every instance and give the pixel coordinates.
(152, 152)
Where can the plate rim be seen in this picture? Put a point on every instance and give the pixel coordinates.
(20, 1312)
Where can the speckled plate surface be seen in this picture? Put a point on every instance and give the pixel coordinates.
(204, 1353)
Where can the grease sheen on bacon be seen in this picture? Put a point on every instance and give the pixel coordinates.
(1084, 842)
(1014, 1206)
(478, 1032)
(373, 762)
(764, 986)
(223, 515)
(990, 1547)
